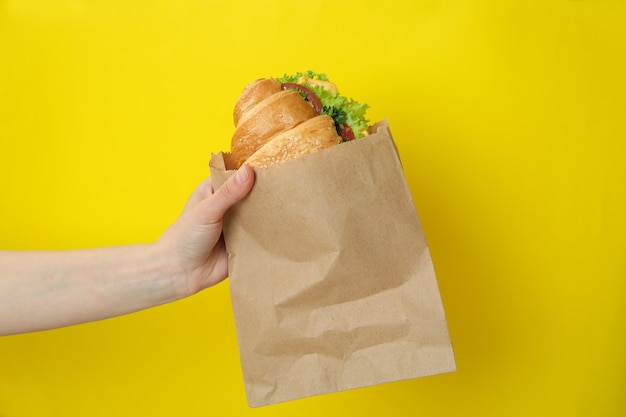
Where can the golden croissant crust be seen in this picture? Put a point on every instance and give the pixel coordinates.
(275, 125)
(308, 137)
(253, 94)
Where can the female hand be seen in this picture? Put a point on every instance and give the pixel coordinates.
(195, 240)
(42, 290)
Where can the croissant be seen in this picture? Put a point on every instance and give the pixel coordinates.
(306, 138)
(281, 119)
(273, 115)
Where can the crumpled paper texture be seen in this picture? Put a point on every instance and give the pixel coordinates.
(331, 279)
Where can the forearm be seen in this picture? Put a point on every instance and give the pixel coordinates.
(43, 290)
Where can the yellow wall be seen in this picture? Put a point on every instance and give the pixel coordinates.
(510, 121)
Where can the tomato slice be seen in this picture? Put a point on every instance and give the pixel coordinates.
(346, 132)
(310, 95)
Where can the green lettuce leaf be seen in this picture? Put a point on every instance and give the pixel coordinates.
(342, 109)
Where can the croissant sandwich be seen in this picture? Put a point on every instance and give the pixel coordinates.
(279, 119)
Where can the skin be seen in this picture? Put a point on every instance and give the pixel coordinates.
(42, 290)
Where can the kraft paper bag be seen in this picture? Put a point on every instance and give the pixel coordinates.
(331, 279)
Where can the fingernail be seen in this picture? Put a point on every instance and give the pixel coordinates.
(242, 174)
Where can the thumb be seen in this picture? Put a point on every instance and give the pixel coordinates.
(232, 191)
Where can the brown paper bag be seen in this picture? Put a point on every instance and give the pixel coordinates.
(331, 280)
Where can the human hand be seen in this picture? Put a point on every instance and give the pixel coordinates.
(194, 242)
(48, 289)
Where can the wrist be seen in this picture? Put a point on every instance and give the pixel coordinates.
(169, 276)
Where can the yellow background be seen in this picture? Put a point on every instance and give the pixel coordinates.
(510, 121)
